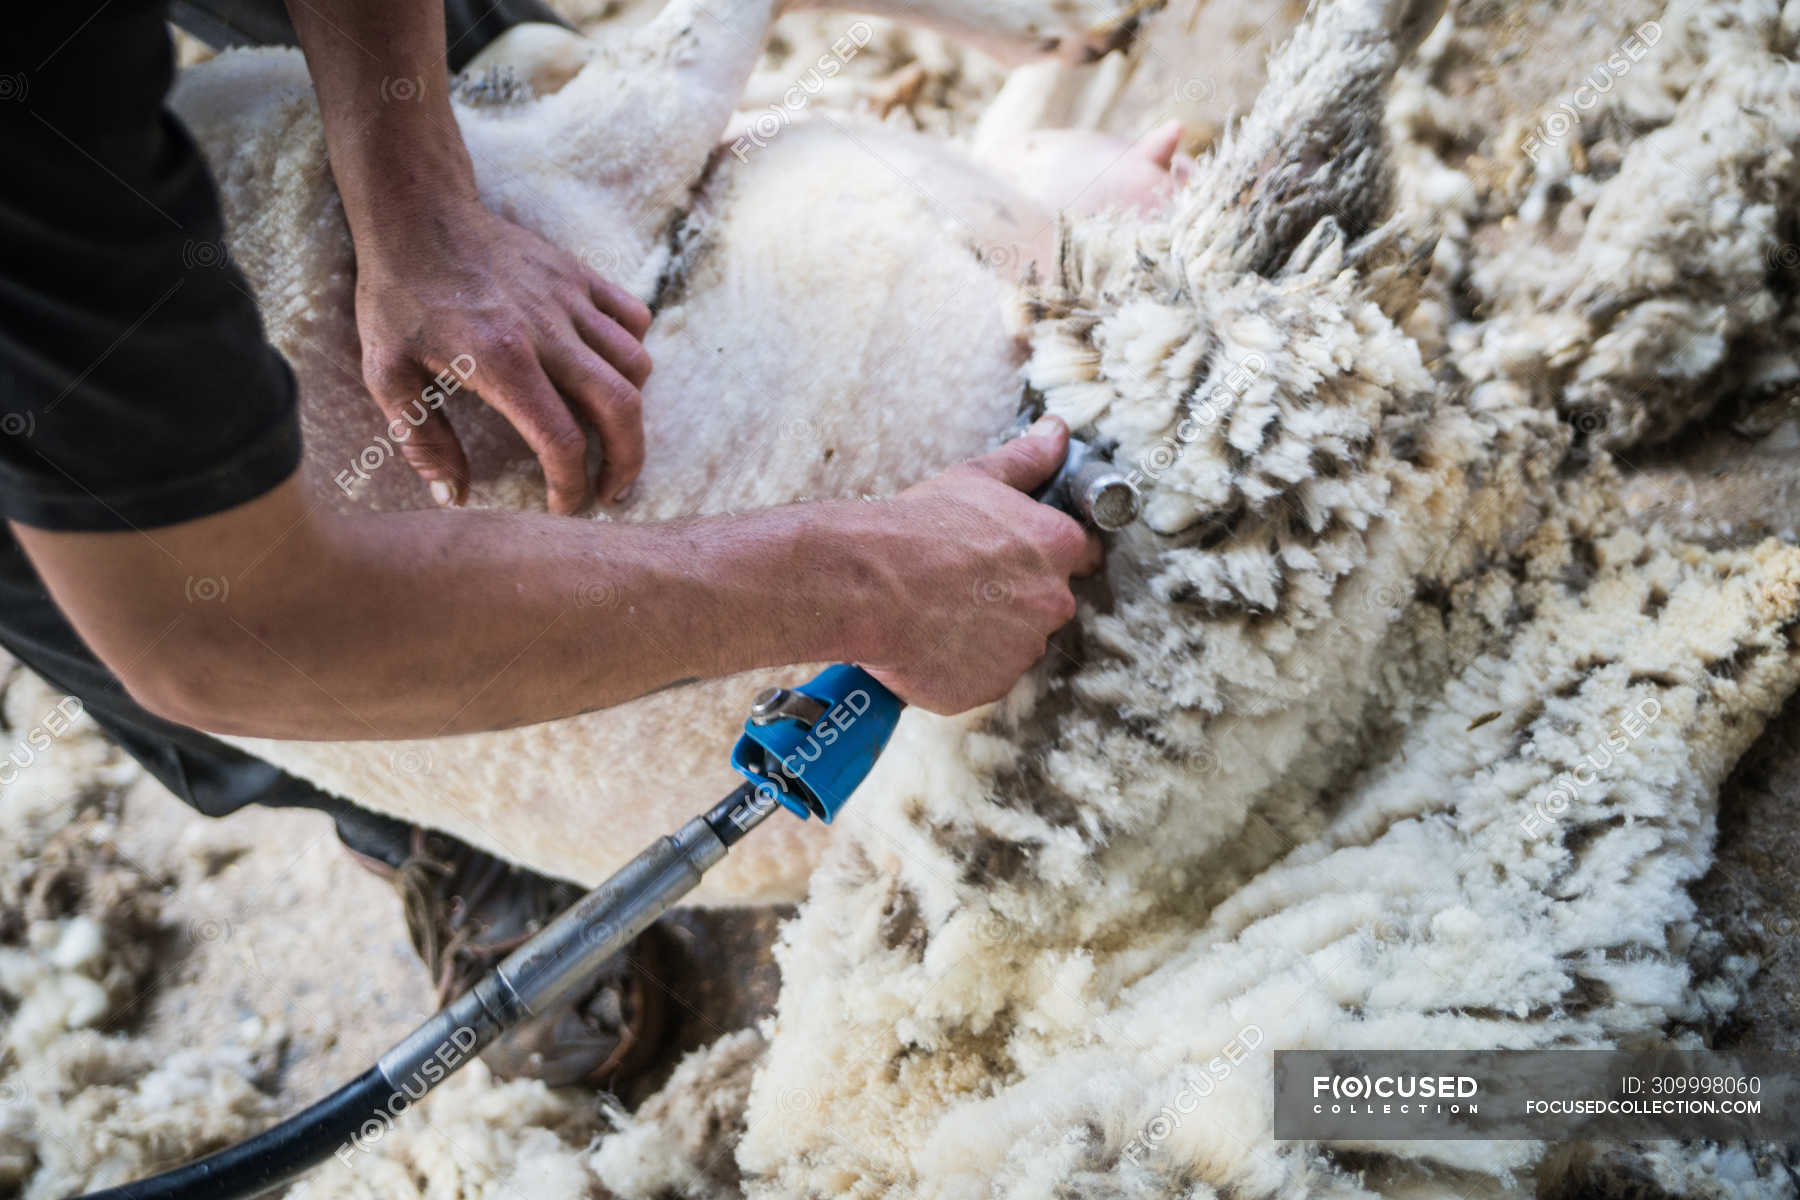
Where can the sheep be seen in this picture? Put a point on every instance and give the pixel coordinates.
(879, 352)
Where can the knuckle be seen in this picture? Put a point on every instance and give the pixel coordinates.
(628, 459)
(386, 375)
(566, 442)
(624, 463)
(510, 348)
(631, 309)
(1071, 540)
(1045, 533)
(628, 400)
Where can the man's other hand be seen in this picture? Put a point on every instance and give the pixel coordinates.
(554, 347)
(977, 574)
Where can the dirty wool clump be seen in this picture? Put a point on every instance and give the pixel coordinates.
(87, 1102)
(682, 1141)
(1391, 729)
(80, 940)
(472, 1138)
(1650, 272)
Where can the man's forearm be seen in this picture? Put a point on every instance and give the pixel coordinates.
(557, 349)
(268, 622)
(383, 89)
(272, 620)
(543, 617)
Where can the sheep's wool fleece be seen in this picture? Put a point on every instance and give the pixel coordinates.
(1310, 768)
(1312, 764)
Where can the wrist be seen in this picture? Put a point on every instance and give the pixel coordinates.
(855, 579)
(405, 185)
(403, 228)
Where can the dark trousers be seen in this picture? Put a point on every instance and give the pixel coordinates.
(209, 775)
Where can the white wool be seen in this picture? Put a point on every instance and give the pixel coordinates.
(100, 1112)
(51, 983)
(472, 1138)
(1211, 868)
(681, 1141)
(80, 1109)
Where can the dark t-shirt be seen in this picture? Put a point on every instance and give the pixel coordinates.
(135, 385)
(136, 388)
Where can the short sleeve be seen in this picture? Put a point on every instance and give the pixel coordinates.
(136, 386)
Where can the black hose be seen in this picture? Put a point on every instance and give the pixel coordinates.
(533, 978)
(275, 1156)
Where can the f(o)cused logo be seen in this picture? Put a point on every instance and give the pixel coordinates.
(797, 429)
(1589, 420)
(201, 254)
(1387, 597)
(999, 257)
(402, 89)
(207, 589)
(599, 593)
(602, 260)
(992, 591)
(209, 930)
(412, 761)
(1196, 91)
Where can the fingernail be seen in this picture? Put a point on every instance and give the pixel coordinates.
(442, 494)
(623, 494)
(1044, 426)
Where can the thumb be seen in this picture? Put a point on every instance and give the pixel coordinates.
(1025, 462)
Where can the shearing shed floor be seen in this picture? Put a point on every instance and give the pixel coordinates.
(172, 984)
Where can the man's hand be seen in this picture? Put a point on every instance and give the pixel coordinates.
(441, 280)
(555, 347)
(979, 575)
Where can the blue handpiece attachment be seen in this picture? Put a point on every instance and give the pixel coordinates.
(809, 747)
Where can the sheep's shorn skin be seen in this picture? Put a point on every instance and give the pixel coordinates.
(1392, 726)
